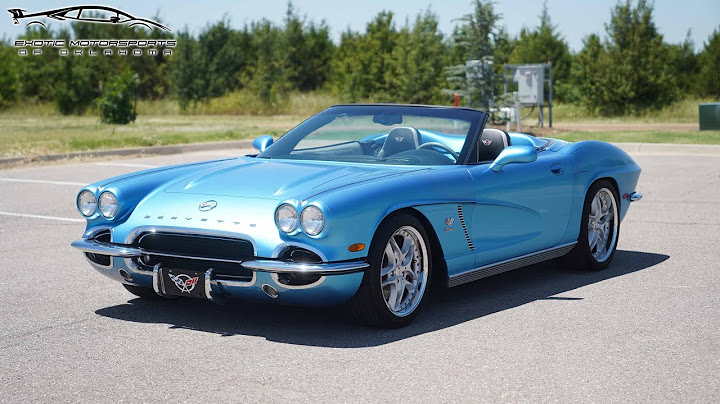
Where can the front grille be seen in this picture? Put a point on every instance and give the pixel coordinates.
(196, 252)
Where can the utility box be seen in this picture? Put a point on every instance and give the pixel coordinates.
(530, 79)
(710, 116)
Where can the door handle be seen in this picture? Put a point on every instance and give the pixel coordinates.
(557, 169)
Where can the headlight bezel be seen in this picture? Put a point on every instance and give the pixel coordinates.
(115, 210)
(92, 198)
(296, 221)
(312, 210)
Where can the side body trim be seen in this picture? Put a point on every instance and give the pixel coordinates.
(508, 265)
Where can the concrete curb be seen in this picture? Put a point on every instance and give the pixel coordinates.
(633, 148)
(132, 151)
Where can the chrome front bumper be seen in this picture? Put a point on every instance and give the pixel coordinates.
(262, 265)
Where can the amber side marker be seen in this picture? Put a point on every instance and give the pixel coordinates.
(356, 247)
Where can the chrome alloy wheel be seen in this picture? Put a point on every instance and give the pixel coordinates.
(404, 271)
(602, 225)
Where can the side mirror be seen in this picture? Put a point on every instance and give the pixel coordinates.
(262, 142)
(514, 154)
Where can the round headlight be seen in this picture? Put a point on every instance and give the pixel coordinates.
(107, 204)
(86, 203)
(286, 218)
(312, 220)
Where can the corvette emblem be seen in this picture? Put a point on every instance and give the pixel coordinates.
(183, 282)
(399, 138)
(207, 205)
(487, 142)
(449, 222)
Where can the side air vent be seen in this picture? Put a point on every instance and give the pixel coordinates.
(462, 222)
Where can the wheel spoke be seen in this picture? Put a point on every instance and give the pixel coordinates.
(387, 269)
(397, 252)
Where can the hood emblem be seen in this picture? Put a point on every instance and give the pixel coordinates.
(207, 205)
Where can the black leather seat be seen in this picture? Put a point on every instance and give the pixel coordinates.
(400, 139)
(491, 143)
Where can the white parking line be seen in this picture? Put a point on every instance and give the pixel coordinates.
(62, 219)
(126, 165)
(75, 184)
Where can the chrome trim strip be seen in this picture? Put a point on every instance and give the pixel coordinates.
(329, 268)
(208, 284)
(510, 264)
(635, 196)
(157, 278)
(96, 247)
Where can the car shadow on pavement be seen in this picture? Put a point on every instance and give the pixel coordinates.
(332, 328)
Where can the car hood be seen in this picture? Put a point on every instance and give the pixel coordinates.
(281, 179)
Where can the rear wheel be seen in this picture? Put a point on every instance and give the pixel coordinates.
(393, 288)
(599, 229)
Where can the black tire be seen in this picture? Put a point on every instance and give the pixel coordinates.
(139, 291)
(581, 256)
(368, 305)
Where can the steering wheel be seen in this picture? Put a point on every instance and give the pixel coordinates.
(442, 146)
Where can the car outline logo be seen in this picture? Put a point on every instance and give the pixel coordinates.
(207, 205)
(74, 13)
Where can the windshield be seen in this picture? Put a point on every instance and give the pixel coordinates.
(380, 134)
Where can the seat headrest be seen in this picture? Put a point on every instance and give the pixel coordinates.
(400, 139)
(491, 143)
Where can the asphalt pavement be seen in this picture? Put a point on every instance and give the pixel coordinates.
(647, 329)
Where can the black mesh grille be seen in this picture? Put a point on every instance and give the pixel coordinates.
(190, 245)
(197, 253)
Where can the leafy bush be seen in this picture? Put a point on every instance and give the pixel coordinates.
(75, 89)
(116, 103)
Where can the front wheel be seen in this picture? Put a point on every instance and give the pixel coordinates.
(393, 288)
(599, 229)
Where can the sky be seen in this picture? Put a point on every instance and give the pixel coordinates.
(574, 18)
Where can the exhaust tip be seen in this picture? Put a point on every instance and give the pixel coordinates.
(125, 275)
(270, 291)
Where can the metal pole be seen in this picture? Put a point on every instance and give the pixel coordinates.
(550, 98)
(517, 115)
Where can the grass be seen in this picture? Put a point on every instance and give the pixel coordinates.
(32, 136)
(697, 137)
(37, 129)
(683, 111)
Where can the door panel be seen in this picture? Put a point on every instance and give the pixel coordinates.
(521, 209)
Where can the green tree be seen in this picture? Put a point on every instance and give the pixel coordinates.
(8, 74)
(709, 61)
(478, 37)
(628, 72)
(684, 62)
(188, 72)
(309, 51)
(117, 104)
(362, 61)
(269, 75)
(76, 87)
(416, 74)
(542, 45)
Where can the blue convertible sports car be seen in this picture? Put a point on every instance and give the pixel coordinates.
(360, 204)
